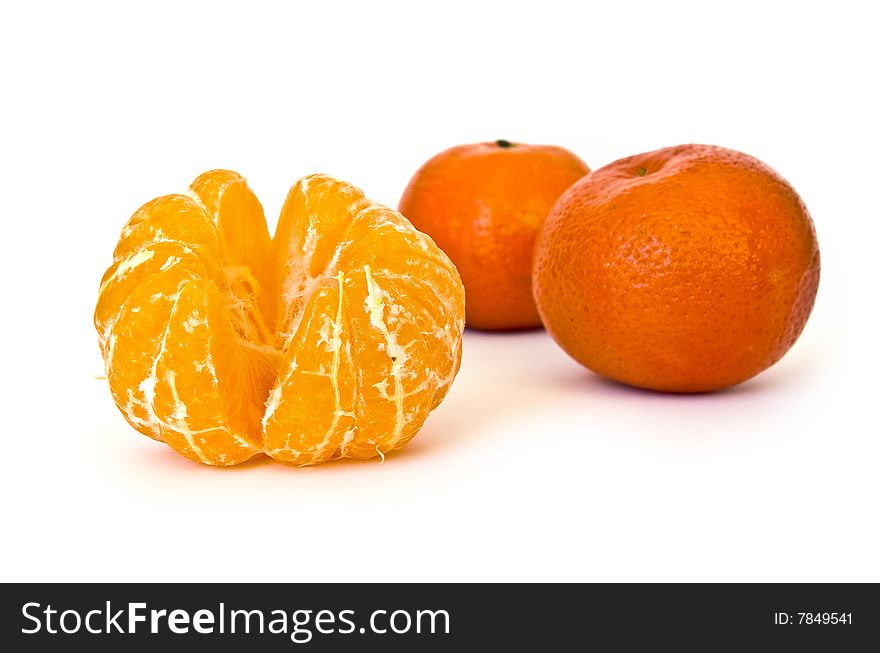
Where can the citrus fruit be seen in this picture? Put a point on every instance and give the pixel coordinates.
(333, 339)
(687, 269)
(483, 204)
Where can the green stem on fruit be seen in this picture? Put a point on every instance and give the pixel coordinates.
(643, 171)
(503, 143)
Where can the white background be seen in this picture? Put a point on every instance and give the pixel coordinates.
(532, 469)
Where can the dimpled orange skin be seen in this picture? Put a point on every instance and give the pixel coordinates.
(483, 205)
(687, 269)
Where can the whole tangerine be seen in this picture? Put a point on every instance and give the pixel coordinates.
(686, 269)
(483, 204)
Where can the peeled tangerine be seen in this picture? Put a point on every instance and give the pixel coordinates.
(334, 339)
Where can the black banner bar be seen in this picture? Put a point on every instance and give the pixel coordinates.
(439, 617)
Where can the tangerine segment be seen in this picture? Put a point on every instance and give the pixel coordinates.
(311, 407)
(309, 237)
(131, 317)
(178, 331)
(200, 395)
(243, 246)
(335, 339)
(379, 340)
(128, 271)
(171, 218)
